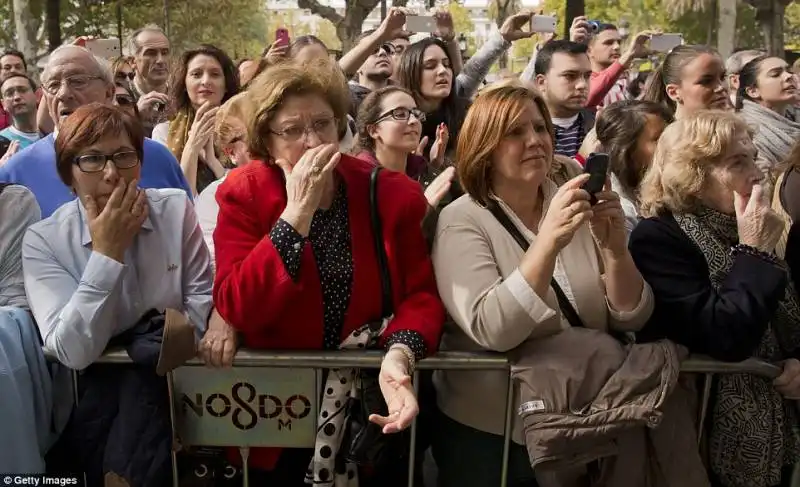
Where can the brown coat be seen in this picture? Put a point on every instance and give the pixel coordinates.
(584, 397)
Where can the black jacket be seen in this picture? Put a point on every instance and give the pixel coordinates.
(726, 324)
(121, 423)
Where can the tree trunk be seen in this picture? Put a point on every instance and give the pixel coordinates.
(713, 14)
(53, 16)
(575, 8)
(26, 30)
(726, 35)
(769, 14)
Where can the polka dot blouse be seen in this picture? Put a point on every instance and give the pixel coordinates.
(330, 240)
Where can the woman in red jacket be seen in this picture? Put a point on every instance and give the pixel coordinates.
(297, 266)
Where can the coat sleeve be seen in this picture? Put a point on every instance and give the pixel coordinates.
(252, 284)
(419, 308)
(726, 323)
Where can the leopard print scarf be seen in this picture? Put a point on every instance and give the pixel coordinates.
(754, 430)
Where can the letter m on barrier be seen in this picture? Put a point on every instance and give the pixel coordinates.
(284, 424)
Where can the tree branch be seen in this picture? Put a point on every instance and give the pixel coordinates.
(323, 11)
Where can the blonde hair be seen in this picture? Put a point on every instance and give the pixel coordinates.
(686, 152)
(492, 114)
(270, 89)
(231, 119)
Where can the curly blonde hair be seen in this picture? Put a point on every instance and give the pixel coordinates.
(686, 152)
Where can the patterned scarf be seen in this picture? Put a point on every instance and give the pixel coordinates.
(754, 429)
(327, 469)
(177, 135)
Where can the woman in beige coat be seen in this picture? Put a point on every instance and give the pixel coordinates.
(500, 296)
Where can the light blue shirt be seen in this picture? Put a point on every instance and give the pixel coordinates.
(81, 298)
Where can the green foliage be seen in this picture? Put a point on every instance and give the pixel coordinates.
(462, 21)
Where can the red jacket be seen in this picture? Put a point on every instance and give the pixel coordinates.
(255, 294)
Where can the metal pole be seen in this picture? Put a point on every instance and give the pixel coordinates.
(166, 18)
(119, 25)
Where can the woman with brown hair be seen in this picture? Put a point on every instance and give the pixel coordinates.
(206, 78)
(628, 131)
(707, 247)
(101, 270)
(389, 128)
(301, 266)
(500, 295)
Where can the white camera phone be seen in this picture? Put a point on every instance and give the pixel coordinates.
(420, 23)
(104, 48)
(543, 23)
(665, 42)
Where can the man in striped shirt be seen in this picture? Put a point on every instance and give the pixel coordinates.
(562, 75)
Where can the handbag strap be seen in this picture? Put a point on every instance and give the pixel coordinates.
(380, 250)
(563, 302)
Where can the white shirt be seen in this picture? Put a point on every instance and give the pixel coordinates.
(207, 211)
(81, 298)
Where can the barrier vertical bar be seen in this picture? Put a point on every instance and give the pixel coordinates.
(707, 381)
(412, 453)
(244, 452)
(507, 431)
(172, 422)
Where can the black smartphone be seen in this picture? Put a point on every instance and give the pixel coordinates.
(597, 168)
(4, 144)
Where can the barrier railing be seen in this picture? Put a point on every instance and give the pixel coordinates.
(270, 398)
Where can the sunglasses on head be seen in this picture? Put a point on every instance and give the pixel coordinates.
(129, 76)
(123, 100)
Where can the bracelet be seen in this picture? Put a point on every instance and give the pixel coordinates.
(412, 362)
(749, 250)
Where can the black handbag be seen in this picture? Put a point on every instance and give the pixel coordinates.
(563, 302)
(364, 442)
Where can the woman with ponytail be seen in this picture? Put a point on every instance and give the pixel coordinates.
(690, 78)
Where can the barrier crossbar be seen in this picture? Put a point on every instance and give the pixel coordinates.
(290, 371)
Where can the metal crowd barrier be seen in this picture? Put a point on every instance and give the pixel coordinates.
(270, 398)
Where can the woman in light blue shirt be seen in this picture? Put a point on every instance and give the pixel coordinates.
(103, 261)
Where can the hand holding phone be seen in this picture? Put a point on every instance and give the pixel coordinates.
(597, 168)
(543, 23)
(282, 36)
(420, 23)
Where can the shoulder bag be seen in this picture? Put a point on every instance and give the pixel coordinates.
(364, 442)
(563, 302)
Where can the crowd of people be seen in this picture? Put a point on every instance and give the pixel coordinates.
(393, 200)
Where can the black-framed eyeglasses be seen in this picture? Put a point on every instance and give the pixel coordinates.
(322, 127)
(387, 47)
(97, 162)
(123, 100)
(402, 114)
(77, 82)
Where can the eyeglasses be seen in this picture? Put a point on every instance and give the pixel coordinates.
(387, 48)
(322, 128)
(78, 82)
(402, 114)
(22, 90)
(97, 162)
(123, 100)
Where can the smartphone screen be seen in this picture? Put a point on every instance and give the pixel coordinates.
(4, 144)
(665, 42)
(104, 48)
(597, 168)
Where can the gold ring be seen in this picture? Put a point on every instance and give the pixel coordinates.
(317, 169)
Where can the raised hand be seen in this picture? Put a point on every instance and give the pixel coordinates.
(608, 222)
(306, 181)
(439, 187)
(202, 129)
(513, 28)
(759, 226)
(115, 226)
(568, 210)
(439, 146)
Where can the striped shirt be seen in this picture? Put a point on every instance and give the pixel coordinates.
(569, 135)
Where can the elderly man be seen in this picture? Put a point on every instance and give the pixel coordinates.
(151, 60)
(74, 77)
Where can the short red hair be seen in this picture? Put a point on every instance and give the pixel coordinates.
(86, 126)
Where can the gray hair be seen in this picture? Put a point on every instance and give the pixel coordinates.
(103, 67)
(133, 40)
(737, 60)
